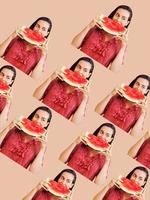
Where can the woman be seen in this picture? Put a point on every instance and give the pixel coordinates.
(123, 113)
(90, 163)
(25, 56)
(139, 175)
(66, 176)
(65, 99)
(141, 150)
(23, 148)
(105, 48)
(7, 75)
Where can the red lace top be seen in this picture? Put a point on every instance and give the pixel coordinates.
(85, 161)
(117, 194)
(3, 102)
(44, 195)
(122, 113)
(97, 47)
(59, 99)
(16, 148)
(18, 55)
(143, 155)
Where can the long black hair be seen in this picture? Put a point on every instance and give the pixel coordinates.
(125, 7)
(142, 169)
(44, 108)
(108, 125)
(89, 60)
(12, 69)
(70, 171)
(144, 77)
(46, 19)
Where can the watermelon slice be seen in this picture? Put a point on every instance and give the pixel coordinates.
(58, 188)
(133, 93)
(130, 185)
(75, 76)
(33, 35)
(111, 26)
(97, 141)
(4, 86)
(32, 126)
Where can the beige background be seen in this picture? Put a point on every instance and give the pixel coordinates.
(70, 17)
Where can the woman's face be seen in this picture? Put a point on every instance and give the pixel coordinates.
(41, 117)
(142, 85)
(138, 177)
(122, 16)
(106, 133)
(42, 27)
(66, 179)
(7, 76)
(83, 67)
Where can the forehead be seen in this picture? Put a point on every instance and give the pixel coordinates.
(123, 12)
(7, 72)
(67, 175)
(107, 129)
(143, 81)
(139, 172)
(43, 23)
(42, 113)
(84, 63)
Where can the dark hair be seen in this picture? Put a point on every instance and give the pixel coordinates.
(125, 7)
(44, 108)
(142, 169)
(68, 171)
(46, 19)
(144, 77)
(108, 125)
(12, 69)
(84, 59)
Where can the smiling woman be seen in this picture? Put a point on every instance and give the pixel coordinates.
(66, 99)
(105, 47)
(122, 111)
(65, 179)
(7, 78)
(22, 147)
(138, 176)
(24, 55)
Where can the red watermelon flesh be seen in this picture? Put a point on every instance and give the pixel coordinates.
(58, 187)
(33, 35)
(33, 126)
(131, 185)
(133, 93)
(3, 85)
(97, 141)
(113, 25)
(75, 76)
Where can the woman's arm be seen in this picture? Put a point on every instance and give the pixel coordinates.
(4, 114)
(118, 62)
(77, 40)
(133, 151)
(32, 193)
(39, 68)
(66, 153)
(138, 127)
(101, 106)
(41, 89)
(102, 193)
(5, 44)
(5, 131)
(102, 176)
(80, 112)
(37, 164)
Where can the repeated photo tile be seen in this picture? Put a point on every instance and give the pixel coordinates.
(43, 155)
